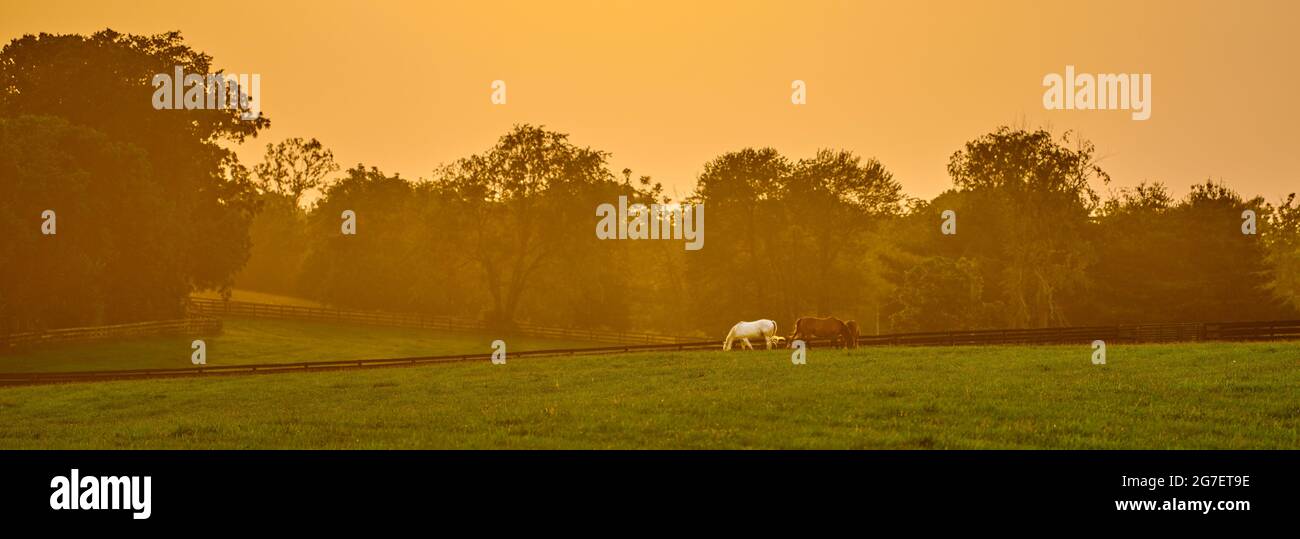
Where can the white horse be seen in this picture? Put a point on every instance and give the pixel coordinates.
(746, 330)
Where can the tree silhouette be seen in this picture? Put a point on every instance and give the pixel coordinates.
(102, 82)
(293, 167)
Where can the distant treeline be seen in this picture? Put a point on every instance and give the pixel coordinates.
(151, 207)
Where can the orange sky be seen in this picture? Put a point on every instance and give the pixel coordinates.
(667, 85)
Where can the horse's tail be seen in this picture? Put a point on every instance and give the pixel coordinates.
(731, 336)
(852, 327)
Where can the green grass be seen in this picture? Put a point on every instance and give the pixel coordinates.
(245, 341)
(1209, 395)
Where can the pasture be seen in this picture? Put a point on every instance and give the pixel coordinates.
(1192, 395)
(247, 341)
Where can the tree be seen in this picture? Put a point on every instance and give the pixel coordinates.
(1029, 201)
(112, 257)
(294, 167)
(1224, 273)
(289, 170)
(103, 82)
(738, 275)
(793, 239)
(522, 204)
(942, 294)
(1283, 258)
(1138, 274)
(835, 202)
(279, 236)
(375, 268)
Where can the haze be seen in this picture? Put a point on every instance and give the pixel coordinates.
(668, 85)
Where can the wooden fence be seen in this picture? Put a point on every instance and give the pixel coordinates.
(1251, 331)
(1134, 333)
(1228, 331)
(189, 326)
(243, 309)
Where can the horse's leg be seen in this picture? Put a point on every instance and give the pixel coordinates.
(748, 346)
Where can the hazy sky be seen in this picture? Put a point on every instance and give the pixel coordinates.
(667, 85)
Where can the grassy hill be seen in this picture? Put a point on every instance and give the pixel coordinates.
(1205, 395)
(245, 341)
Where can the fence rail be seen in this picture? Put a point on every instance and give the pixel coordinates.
(1219, 331)
(200, 325)
(1136, 333)
(215, 307)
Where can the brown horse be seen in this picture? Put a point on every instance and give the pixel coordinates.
(854, 333)
(809, 328)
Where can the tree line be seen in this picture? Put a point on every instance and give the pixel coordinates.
(152, 207)
(507, 235)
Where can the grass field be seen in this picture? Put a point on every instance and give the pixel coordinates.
(245, 341)
(1205, 395)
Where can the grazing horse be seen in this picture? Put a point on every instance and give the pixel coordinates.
(809, 328)
(854, 333)
(747, 330)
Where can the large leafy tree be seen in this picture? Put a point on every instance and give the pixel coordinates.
(790, 239)
(374, 268)
(835, 203)
(103, 82)
(101, 264)
(525, 205)
(1027, 202)
(737, 275)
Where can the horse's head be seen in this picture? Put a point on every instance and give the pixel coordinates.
(851, 327)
